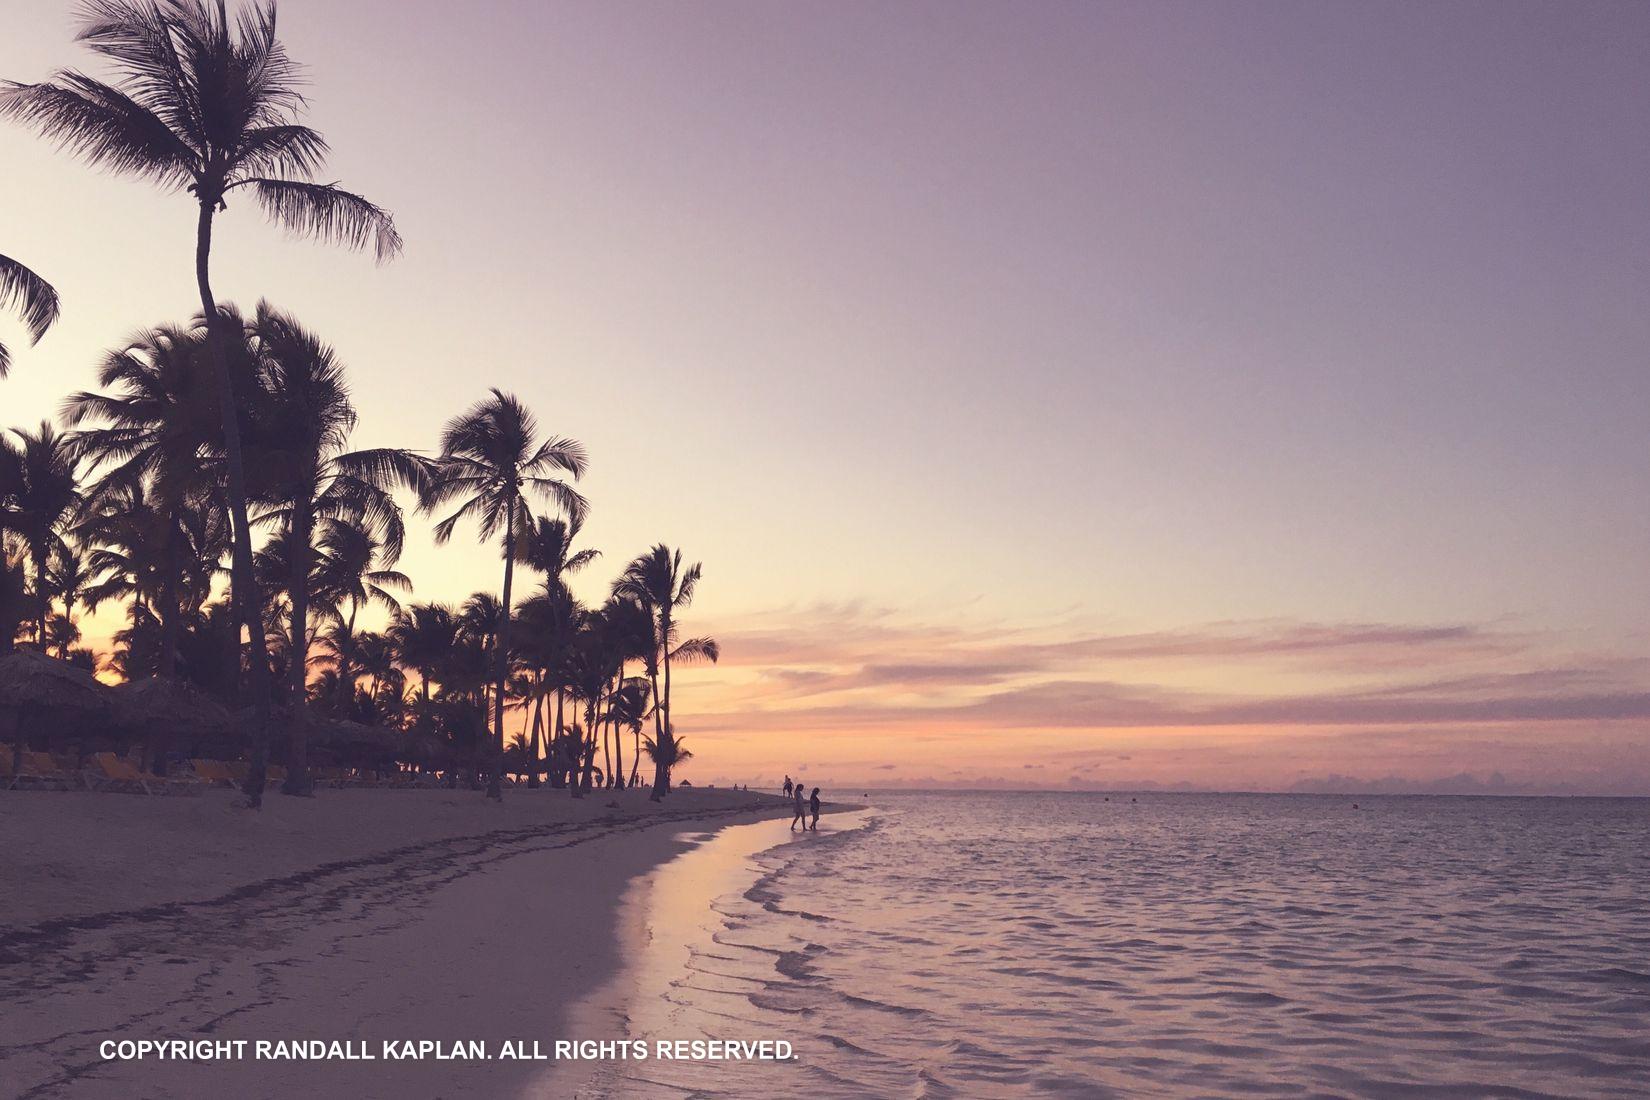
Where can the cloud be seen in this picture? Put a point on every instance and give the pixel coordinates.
(1233, 705)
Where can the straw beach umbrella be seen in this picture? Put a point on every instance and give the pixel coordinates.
(161, 707)
(355, 739)
(33, 685)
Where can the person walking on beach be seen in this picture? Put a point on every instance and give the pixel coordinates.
(801, 811)
(787, 786)
(813, 804)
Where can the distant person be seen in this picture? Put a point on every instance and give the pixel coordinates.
(787, 786)
(801, 811)
(813, 804)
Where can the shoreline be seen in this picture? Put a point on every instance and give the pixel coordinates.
(665, 916)
(487, 926)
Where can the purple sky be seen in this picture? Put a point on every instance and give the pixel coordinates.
(1056, 319)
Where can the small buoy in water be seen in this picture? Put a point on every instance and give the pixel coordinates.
(1354, 805)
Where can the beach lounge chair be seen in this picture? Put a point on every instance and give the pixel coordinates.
(38, 771)
(108, 772)
(213, 772)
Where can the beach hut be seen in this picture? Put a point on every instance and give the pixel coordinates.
(48, 696)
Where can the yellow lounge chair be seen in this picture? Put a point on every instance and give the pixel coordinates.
(38, 770)
(215, 772)
(109, 772)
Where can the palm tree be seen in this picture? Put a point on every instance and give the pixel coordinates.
(422, 637)
(659, 583)
(210, 106)
(550, 621)
(158, 443)
(352, 571)
(305, 417)
(548, 547)
(491, 460)
(66, 576)
(38, 497)
(673, 753)
(14, 603)
(32, 296)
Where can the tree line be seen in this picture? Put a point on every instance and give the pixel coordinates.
(208, 486)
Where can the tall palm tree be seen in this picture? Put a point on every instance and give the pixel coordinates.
(660, 583)
(491, 459)
(303, 423)
(32, 296)
(208, 105)
(38, 497)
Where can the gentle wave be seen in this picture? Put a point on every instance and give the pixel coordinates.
(1023, 944)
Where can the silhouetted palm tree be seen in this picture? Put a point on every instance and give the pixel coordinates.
(491, 459)
(666, 759)
(422, 637)
(14, 604)
(31, 296)
(548, 547)
(661, 584)
(206, 105)
(38, 498)
(66, 576)
(158, 434)
(303, 422)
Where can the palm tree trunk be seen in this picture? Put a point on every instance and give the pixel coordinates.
(171, 625)
(618, 747)
(495, 782)
(658, 737)
(42, 594)
(607, 751)
(533, 742)
(297, 768)
(588, 748)
(636, 757)
(555, 739)
(246, 585)
(665, 739)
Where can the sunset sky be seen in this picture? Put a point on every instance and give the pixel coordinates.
(1101, 394)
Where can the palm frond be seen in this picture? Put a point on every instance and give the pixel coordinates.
(30, 295)
(328, 213)
(387, 467)
(697, 649)
(102, 125)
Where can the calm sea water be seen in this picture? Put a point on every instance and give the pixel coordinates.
(1092, 945)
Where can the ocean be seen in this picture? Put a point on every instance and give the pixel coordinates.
(1084, 944)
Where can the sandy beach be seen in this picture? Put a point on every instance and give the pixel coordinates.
(360, 916)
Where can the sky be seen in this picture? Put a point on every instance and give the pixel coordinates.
(1060, 395)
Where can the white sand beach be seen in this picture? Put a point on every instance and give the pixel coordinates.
(360, 916)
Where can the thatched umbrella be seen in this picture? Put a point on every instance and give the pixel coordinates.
(33, 684)
(377, 742)
(161, 707)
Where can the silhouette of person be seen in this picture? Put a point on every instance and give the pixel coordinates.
(787, 786)
(813, 804)
(801, 811)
